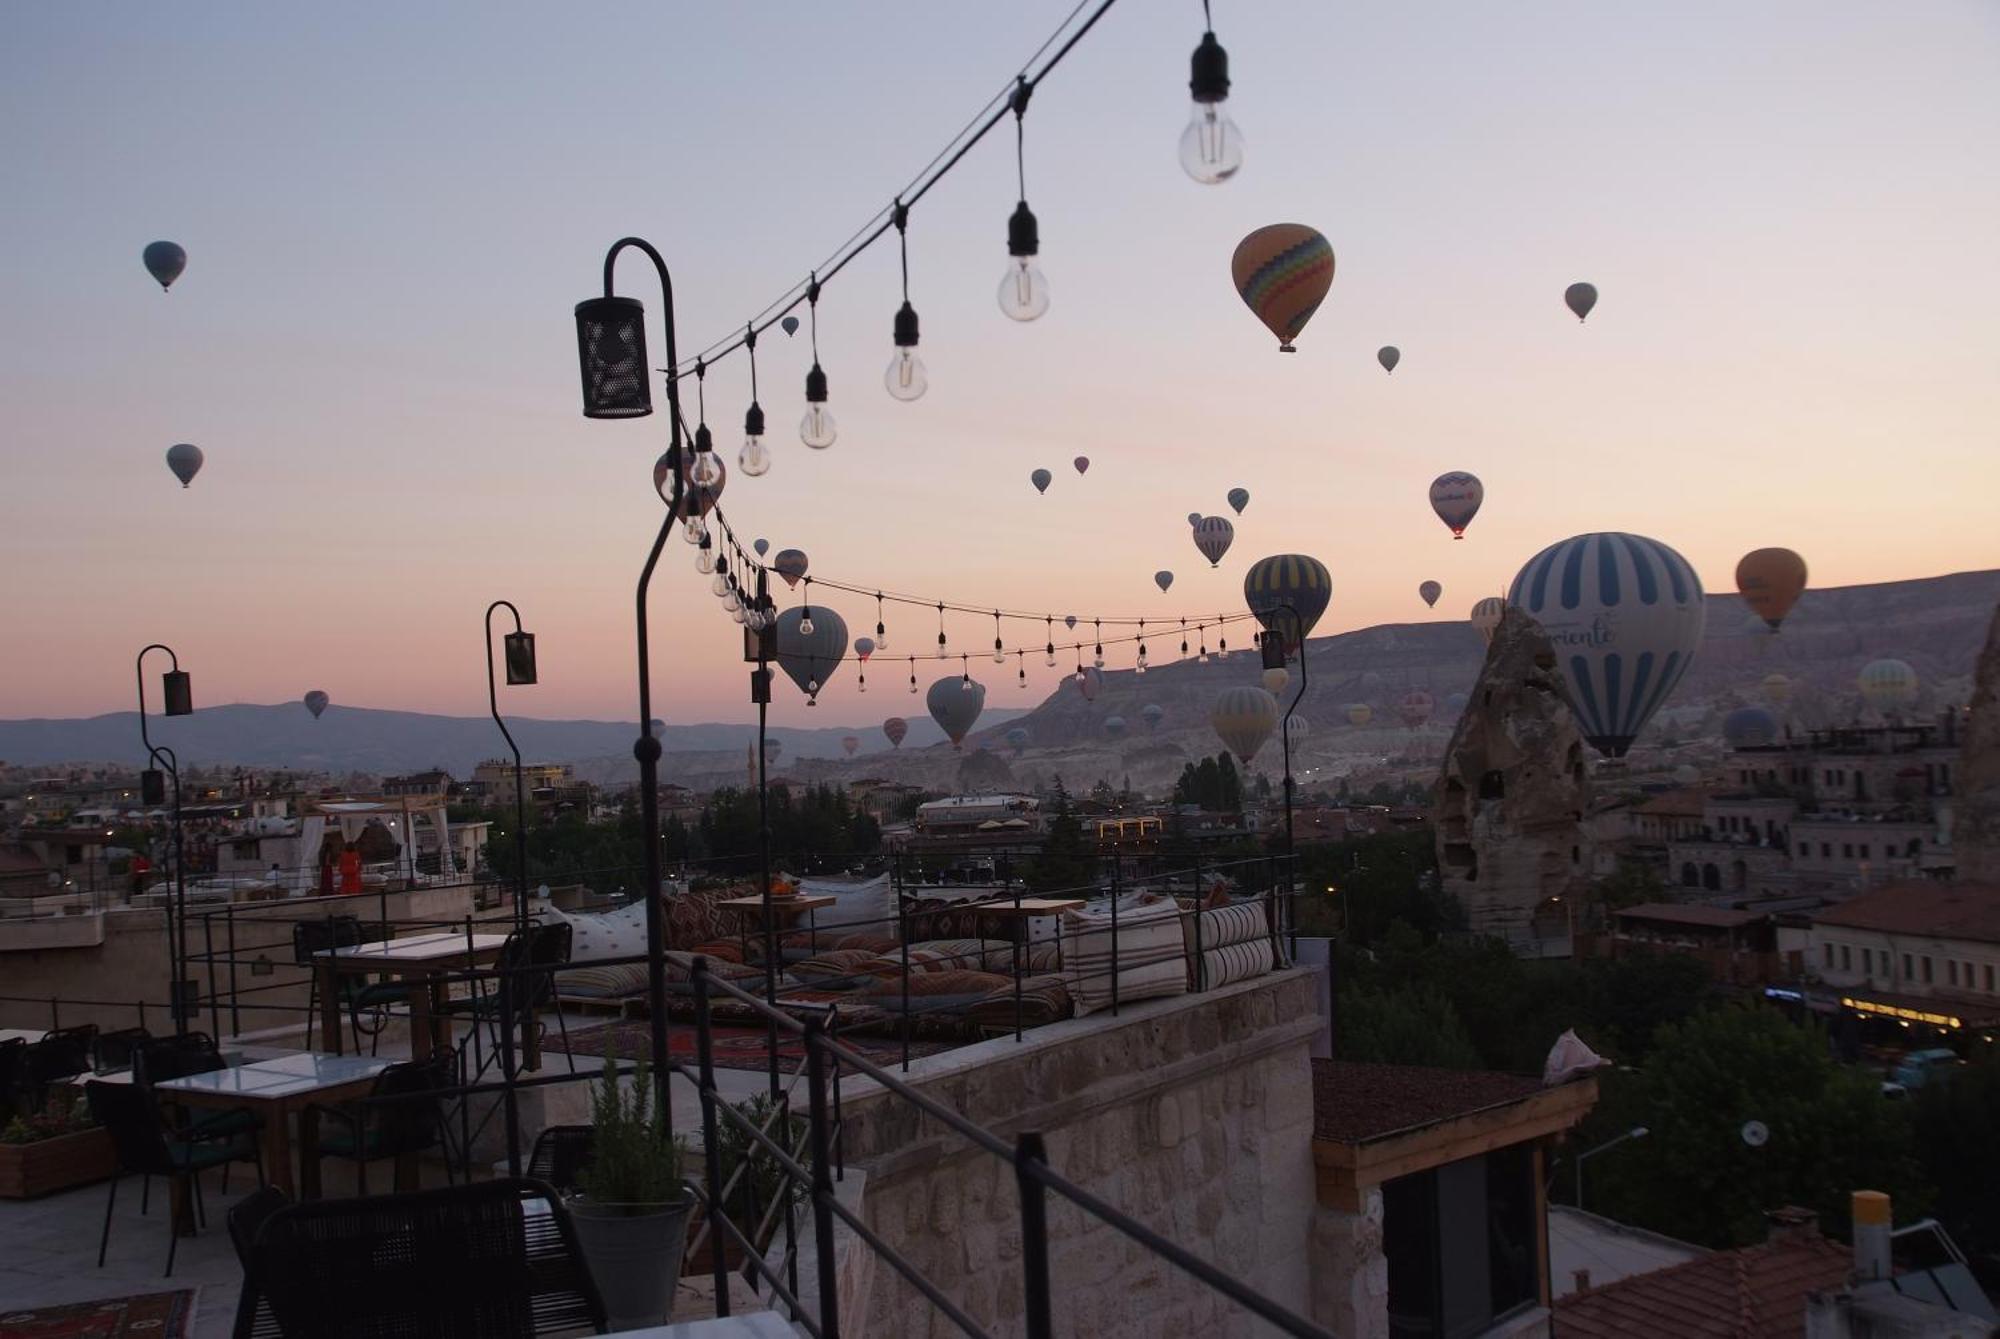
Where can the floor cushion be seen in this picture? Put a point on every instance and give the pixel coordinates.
(1043, 1000)
(1148, 951)
(841, 965)
(947, 991)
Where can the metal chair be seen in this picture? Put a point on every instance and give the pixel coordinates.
(114, 1050)
(62, 1054)
(465, 1262)
(561, 1152)
(371, 999)
(246, 1218)
(146, 1147)
(526, 967)
(379, 1128)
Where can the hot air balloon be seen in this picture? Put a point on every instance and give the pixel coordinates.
(763, 546)
(1388, 355)
(1018, 738)
(1088, 681)
(1770, 581)
(1430, 590)
(1082, 464)
(1114, 726)
(1041, 479)
(185, 461)
(1213, 535)
(1687, 774)
(1455, 703)
(810, 658)
(849, 743)
(1359, 713)
(1455, 497)
(1069, 621)
(316, 702)
(1749, 728)
(1486, 616)
(1777, 689)
(1624, 614)
(1580, 298)
(1296, 729)
(1276, 678)
(1416, 707)
(1244, 717)
(1194, 518)
(1152, 714)
(894, 729)
(790, 325)
(955, 703)
(696, 499)
(1288, 592)
(1239, 498)
(1163, 579)
(165, 261)
(1283, 272)
(1888, 684)
(864, 647)
(790, 564)
(772, 748)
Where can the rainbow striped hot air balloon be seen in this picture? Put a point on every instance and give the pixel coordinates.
(1283, 272)
(1285, 583)
(1624, 614)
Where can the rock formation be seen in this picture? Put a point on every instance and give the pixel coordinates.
(1510, 802)
(1975, 825)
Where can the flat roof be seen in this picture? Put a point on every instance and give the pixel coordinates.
(1679, 913)
(1355, 1102)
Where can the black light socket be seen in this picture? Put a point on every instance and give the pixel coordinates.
(906, 326)
(753, 420)
(815, 386)
(611, 356)
(1208, 76)
(1024, 236)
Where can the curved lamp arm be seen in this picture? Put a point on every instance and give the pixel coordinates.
(139, 672)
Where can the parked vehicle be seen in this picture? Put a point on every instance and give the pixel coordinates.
(1933, 1065)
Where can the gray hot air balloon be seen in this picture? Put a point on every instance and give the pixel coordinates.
(790, 325)
(1041, 480)
(1388, 355)
(1430, 590)
(1244, 718)
(848, 743)
(763, 546)
(810, 658)
(1114, 726)
(1239, 498)
(316, 702)
(1163, 578)
(165, 261)
(955, 702)
(1018, 738)
(894, 729)
(1580, 298)
(1213, 535)
(1194, 518)
(1152, 714)
(1082, 464)
(185, 461)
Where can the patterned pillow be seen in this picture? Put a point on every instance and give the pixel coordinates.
(1047, 957)
(951, 981)
(1150, 959)
(680, 968)
(695, 918)
(841, 965)
(1239, 923)
(874, 943)
(988, 955)
(611, 934)
(933, 918)
(602, 983)
(1044, 999)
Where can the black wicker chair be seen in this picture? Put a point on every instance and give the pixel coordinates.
(146, 1147)
(115, 1050)
(246, 1220)
(365, 1131)
(367, 1002)
(59, 1056)
(561, 1153)
(465, 1262)
(526, 969)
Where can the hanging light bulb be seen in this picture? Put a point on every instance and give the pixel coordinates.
(706, 472)
(806, 622)
(694, 529)
(720, 586)
(906, 377)
(881, 634)
(999, 656)
(755, 457)
(1211, 146)
(1024, 292)
(704, 561)
(817, 428)
(913, 674)
(1049, 660)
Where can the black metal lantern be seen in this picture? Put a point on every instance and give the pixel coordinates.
(177, 694)
(611, 355)
(1271, 645)
(520, 651)
(153, 786)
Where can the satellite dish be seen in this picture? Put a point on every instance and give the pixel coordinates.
(1756, 1133)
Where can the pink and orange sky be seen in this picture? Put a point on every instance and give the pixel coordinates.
(1789, 209)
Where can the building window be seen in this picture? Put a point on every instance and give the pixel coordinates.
(1826, 850)
(1908, 970)
(1989, 978)
(1866, 851)
(1951, 971)
(1846, 959)
(1690, 875)
(1927, 969)
(1461, 1244)
(1827, 949)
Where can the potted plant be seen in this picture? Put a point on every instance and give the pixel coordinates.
(631, 1206)
(753, 1179)
(53, 1149)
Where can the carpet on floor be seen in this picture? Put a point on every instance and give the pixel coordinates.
(734, 1047)
(146, 1316)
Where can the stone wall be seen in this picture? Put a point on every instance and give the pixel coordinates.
(1193, 1115)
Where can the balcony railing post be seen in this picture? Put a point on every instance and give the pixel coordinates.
(1034, 1236)
(704, 1039)
(208, 948)
(235, 1001)
(820, 1117)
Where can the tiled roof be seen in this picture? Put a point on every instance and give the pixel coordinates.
(1758, 1292)
(1944, 910)
(1354, 1103)
(1689, 914)
(1686, 801)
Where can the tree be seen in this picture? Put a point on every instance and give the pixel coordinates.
(1405, 1026)
(1066, 859)
(1958, 1139)
(1213, 784)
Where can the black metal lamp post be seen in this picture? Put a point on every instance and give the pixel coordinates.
(520, 656)
(177, 699)
(1272, 646)
(611, 355)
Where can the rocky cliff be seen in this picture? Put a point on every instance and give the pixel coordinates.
(1975, 832)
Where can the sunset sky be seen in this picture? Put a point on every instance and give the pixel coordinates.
(1790, 210)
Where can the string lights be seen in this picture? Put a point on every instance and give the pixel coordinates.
(1024, 292)
(755, 458)
(1211, 146)
(816, 428)
(905, 376)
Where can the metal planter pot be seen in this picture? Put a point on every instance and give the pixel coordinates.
(634, 1255)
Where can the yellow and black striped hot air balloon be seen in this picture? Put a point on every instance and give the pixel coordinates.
(1288, 592)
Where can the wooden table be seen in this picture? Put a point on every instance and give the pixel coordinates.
(809, 903)
(277, 1090)
(422, 961)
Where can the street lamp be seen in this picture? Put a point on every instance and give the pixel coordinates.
(177, 699)
(1636, 1132)
(611, 356)
(1271, 645)
(520, 657)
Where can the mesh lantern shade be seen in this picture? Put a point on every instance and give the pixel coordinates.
(1271, 645)
(177, 692)
(611, 355)
(152, 786)
(520, 648)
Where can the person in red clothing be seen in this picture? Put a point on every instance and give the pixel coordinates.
(141, 867)
(350, 870)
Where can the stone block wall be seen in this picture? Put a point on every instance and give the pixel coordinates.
(1193, 1115)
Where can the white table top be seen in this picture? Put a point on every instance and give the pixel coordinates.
(287, 1076)
(26, 1034)
(417, 948)
(756, 1325)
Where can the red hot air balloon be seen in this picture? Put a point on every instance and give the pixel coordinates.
(1455, 497)
(895, 728)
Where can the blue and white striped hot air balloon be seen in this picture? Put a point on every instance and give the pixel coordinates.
(1624, 614)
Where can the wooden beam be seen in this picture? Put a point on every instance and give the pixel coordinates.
(1351, 1167)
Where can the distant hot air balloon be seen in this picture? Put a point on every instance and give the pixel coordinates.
(1194, 518)
(1296, 729)
(316, 702)
(1243, 718)
(184, 460)
(1041, 479)
(1770, 581)
(1213, 535)
(1359, 713)
(1288, 592)
(1282, 272)
(955, 703)
(810, 658)
(1455, 497)
(1018, 738)
(763, 546)
(1624, 614)
(1239, 498)
(1152, 714)
(1082, 464)
(895, 728)
(696, 499)
(1888, 685)
(772, 748)
(864, 647)
(165, 261)
(1163, 579)
(1580, 298)
(849, 743)
(790, 564)
(1777, 689)
(1088, 681)
(1069, 621)
(1276, 678)
(1416, 707)
(790, 325)
(1486, 616)
(1114, 726)
(1388, 355)
(1749, 728)
(1455, 703)
(1430, 590)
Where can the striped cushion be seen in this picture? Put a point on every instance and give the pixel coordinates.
(1150, 958)
(958, 981)
(1044, 999)
(602, 983)
(874, 943)
(1239, 923)
(841, 965)
(990, 955)
(1235, 962)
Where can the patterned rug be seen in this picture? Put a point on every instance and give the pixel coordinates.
(734, 1047)
(148, 1316)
